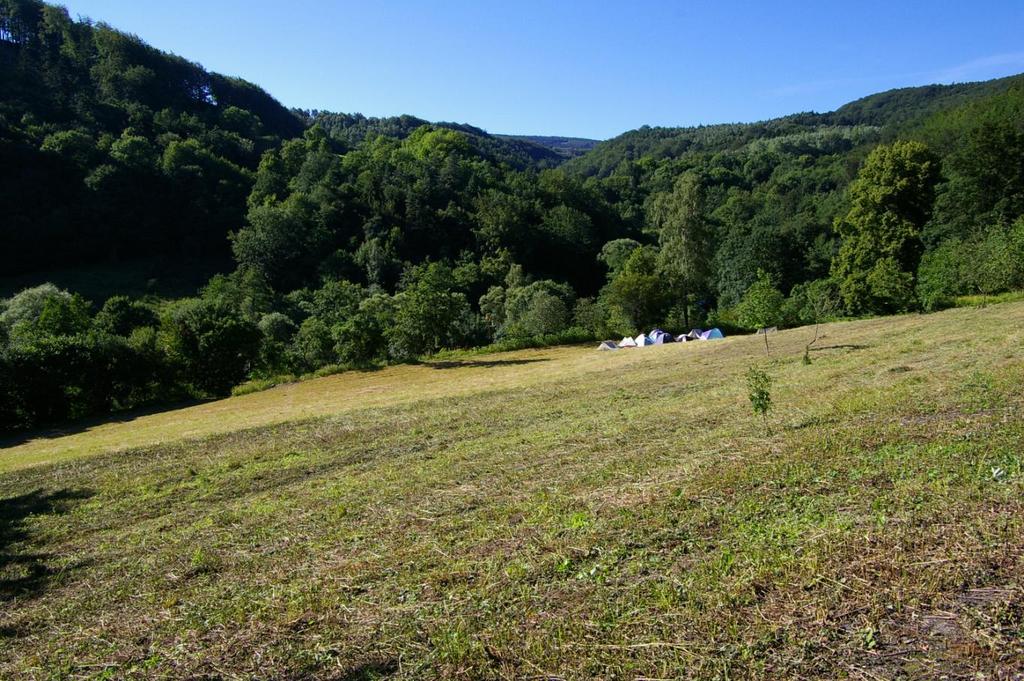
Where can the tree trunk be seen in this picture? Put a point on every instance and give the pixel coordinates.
(686, 312)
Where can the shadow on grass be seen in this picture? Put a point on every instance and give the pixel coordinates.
(26, 574)
(371, 671)
(88, 423)
(468, 363)
(848, 346)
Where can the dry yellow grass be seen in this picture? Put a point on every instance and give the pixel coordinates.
(350, 391)
(343, 393)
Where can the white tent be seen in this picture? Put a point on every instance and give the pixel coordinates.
(627, 342)
(643, 340)
(662, 338)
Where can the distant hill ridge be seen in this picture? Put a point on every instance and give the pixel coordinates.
(568, 147)
(895, 110)
(352, 129)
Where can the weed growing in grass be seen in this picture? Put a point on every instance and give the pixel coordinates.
(759, 385)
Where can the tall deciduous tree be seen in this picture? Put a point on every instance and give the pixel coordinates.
(684, 236)
(891, 200)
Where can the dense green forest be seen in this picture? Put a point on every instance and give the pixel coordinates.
(567, 147)
(340, 240)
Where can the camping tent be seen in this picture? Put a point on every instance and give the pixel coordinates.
(643, 340)
(712, 334)
(659, 337)
(608, 345)
(627, 342)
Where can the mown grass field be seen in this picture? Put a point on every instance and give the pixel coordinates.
(545, 514)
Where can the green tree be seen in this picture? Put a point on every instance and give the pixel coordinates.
(429, 314)
(212, 344)
(637, 297)
(590, 316)
(944, 273)
(615, 253)
(684, 236)
(44, 310)
(539, 308)
(121, 315)
(492, 309)
(312, 346)
(277, 330)
(891, 200)
(761, 306)
(362, 339)
(64, 316)
(283, 242)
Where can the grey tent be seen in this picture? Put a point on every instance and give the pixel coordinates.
(660, 337)
(607, 345)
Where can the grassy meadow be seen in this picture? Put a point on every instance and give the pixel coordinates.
(550, 514)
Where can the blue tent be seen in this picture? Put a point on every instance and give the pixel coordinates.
(712, 334)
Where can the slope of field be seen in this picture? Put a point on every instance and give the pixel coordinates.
(549, 514)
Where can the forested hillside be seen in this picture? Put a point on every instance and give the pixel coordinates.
(893, 113)
(110, 149)
(354, 241)
(354, 129)
(567, 147)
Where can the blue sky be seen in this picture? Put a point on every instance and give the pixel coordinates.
(572, 67)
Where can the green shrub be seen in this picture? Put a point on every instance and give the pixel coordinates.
(537, 309)
(759, 387)
(362, 339)
(259, 384)
(590, 316)
(638, 297)
(943, 274)
(44, 310)
(430, 315)
(312, 347)
(121, 315)
(213, 346)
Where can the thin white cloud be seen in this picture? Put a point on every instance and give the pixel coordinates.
(816, 86)
(981, 67)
